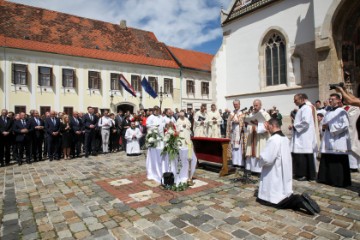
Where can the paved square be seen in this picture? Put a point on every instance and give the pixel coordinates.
(75, 200)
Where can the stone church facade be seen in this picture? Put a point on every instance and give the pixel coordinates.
(273, 49)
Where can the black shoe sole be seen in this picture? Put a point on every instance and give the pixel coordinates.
(311, 202)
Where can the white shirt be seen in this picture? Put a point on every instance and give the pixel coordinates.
(105, 123)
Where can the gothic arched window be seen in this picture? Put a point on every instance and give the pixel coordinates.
(275, 56)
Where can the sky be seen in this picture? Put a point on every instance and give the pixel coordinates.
(188, 24)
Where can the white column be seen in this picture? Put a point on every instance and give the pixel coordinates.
(105, 89)
(81, 88)
(33, 87)
(57, 77)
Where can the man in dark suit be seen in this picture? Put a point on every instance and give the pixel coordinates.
(6, 125)
(89, 122)
(118, 126)
(52, 126)
(37, 124)
(76, 130)
(22, 130)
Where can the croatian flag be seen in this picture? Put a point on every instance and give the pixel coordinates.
(147, 87)
(127, 85)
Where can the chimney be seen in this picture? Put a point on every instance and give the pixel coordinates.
(123, 24)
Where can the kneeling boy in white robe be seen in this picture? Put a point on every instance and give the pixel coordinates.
(133, 136)
(276, 176)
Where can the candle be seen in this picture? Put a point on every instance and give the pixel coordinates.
(189, 150)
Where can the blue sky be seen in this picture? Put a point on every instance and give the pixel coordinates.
(188, 24)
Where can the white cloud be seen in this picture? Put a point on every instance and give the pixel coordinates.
(181, 23)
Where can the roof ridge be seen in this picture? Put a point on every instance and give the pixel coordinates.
(191, 50)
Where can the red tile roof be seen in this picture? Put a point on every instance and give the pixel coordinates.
(37, 29)
(192, 59)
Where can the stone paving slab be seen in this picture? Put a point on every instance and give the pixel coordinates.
(64, 200)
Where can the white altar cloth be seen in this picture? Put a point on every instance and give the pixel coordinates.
(156, 165)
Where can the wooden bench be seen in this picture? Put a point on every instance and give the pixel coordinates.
(213, 150)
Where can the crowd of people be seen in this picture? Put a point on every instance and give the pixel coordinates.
(328, 132)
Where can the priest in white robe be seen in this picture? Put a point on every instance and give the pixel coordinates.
(257, 136)
(214, 123)
(133, 136)
(235, 131)
(200, 123)
(155, 121)
(303, 142)
(183, 127)
(334, 166)
(275, 186)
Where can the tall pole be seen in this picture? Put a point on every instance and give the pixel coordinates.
(161, 97)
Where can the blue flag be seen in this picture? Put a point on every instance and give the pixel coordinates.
(147, 87)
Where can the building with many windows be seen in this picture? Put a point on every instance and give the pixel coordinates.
(55, 61)
(195, 71)
(273, 49)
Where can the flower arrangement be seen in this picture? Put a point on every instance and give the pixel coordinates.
(172, 144)
(153, 138)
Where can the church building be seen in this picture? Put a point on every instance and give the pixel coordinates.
(273, 49)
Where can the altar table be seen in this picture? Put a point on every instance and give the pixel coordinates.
(156, 165)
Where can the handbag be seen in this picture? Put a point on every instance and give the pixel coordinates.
(168, 179)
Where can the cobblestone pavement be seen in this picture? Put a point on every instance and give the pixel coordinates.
(63, 200)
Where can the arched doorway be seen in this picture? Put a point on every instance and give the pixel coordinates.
(124, 107)
(346, 35)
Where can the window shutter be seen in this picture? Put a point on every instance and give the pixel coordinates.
(74, 79)
(13, 73)
(89, 80)
(99, 82)
(156, 85)
(39, 76)
(51, 78)
(171, 87)
(27, 75)
(63, 78)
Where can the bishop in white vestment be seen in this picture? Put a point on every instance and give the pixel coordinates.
(200, 125)
(235, 131)
(275, 186)
(334, 166)
(257, 136)
(214, 122)
(133, 136)
(303, 143)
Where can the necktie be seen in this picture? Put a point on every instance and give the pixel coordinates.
(53, 120)
(37, 121)
(5, 121)
(91, 117)
(77, 122)
(23, 122)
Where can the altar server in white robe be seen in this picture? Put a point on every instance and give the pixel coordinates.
(133, 136)
(183, 127)
(235, 131)
(354, 155)
(214, 122)
(155, 121)
(257, 136)
(275, 186)
(168, 117)
(200, 124)
(303, 142)
(334, 166)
